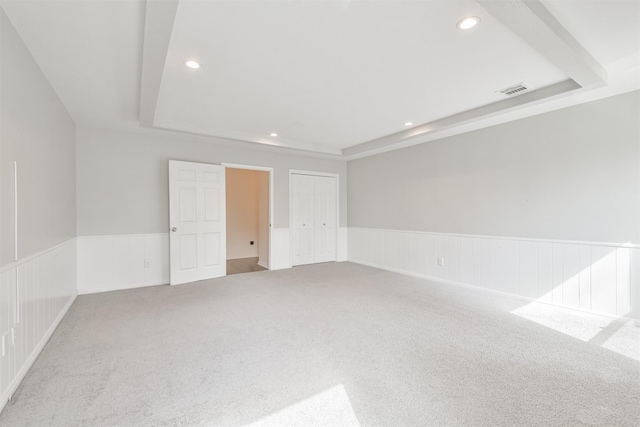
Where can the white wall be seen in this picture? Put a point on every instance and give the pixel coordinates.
(242, 213)
(546, 207)
(36, 131)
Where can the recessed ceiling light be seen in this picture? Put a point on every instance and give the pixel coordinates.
(192, 64)
(408, 123)
(273, 134)
(469, 22)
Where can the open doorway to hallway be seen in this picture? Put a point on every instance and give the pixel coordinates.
(248, 219)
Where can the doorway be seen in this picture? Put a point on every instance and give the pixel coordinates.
(248, 212)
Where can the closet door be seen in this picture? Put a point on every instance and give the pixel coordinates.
(303, 190)
(325, 219)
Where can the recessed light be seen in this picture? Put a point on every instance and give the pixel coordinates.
(408, 123)
(468, 23)
(192, 64)
(273, 134)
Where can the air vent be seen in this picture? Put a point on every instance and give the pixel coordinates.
(514, 90)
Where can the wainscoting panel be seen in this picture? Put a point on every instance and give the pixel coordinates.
(602, 278)
(341, 253)
(281, 256)
(35, 294)
(109, 263)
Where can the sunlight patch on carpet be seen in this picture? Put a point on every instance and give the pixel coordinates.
(621, 336)
(328, 408)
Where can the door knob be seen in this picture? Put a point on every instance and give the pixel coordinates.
(174, 229)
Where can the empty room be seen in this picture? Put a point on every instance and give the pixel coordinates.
(339, 213)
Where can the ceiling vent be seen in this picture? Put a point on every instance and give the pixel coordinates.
(514, 90)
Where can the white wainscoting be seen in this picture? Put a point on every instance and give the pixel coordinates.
(341, 254)
(35, 294)
(115, 262)
(110, 263)
(602, 278)
(281, 256)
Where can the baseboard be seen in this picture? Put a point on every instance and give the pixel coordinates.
(13, 386)
(261, 264)
(88, 291)
(492, 291)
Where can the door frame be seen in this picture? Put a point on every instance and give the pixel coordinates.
(262, 169)
(312, 173)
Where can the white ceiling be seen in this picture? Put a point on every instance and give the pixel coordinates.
(320, 74)
(609, 30)
(334, 76)
(91, 52)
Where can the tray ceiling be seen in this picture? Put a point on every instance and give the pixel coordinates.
(338, 77)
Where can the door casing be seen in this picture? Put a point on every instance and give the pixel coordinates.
(263, 169)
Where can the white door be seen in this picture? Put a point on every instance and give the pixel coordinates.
(302, 187)
(325, 219)
(197, 221)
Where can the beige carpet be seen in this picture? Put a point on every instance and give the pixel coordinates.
(331, 344)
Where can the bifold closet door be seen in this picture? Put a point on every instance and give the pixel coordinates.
(325, 219)
(314, 210)
(303, 190)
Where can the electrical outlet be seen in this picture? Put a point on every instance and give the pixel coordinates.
(441, 262)
(147, 263)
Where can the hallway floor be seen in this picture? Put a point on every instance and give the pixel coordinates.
(243, 265)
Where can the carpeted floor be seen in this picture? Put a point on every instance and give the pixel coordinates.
(331, 344)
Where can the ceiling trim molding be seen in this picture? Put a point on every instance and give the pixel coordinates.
(533, 23)
(238, 136)
(418, 133)
(159, 19)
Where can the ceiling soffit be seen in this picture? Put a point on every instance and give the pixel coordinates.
(528, 19)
